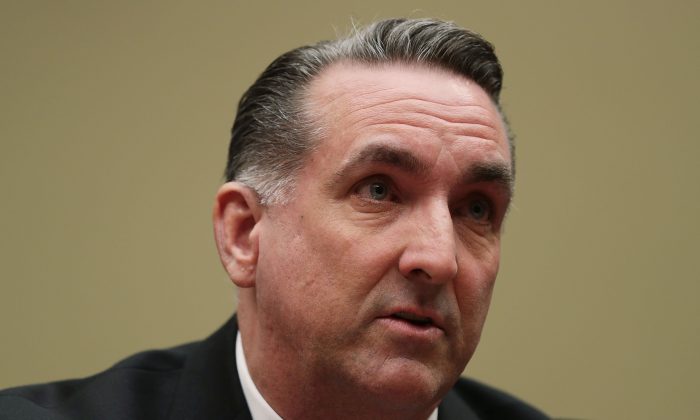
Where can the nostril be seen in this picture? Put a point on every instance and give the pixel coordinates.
(422, 261)
(419, 273)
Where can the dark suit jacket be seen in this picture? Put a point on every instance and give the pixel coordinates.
(200, 381)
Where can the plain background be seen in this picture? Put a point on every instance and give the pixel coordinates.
(114, 120)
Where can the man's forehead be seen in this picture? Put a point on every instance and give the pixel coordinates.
(393, 97)
(345, 82)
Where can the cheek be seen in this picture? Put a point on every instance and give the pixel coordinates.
(292, 290)
(317, 270)
(475, 285)
(283, 277)
(352, 258)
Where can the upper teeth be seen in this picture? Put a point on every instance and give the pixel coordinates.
(412, 317)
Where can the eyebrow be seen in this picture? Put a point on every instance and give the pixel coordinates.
(497, 172)
(406, 161)
(384, 154)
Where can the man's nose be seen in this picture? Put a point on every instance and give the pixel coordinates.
(430, 253)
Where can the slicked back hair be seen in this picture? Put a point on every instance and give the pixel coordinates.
(273, 131)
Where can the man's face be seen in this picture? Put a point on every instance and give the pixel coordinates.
(378, 273)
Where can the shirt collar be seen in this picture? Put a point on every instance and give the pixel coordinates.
(259, 408)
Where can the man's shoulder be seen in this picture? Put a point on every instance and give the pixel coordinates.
(196, 380)
(481, 401)
(139, 386)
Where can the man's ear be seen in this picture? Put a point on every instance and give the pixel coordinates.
(236, 214)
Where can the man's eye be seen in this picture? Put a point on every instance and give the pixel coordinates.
(378, 191)
(479, 209)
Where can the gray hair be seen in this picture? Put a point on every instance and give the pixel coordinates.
(273, 130)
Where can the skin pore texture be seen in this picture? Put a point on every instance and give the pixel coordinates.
(365, 295)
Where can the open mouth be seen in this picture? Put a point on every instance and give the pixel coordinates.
(419, 321)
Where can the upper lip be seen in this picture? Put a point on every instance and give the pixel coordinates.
(410, 312)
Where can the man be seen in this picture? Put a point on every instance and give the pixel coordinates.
(367, 183)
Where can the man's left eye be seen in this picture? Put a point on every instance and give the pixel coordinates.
(479, 209)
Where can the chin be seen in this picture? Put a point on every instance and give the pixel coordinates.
(406, 383)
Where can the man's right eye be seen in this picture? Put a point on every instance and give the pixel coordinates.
(377, 190)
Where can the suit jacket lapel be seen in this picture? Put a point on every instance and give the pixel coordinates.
(453, 407)
(209, 387)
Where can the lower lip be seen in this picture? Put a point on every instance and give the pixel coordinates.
(402, 329)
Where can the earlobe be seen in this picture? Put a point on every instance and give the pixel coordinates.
(236, 214)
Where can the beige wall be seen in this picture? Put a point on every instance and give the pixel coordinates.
(114, 119)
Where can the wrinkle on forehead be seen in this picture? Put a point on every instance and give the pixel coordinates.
(348, 80)
(427, 119)
(343, 91)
